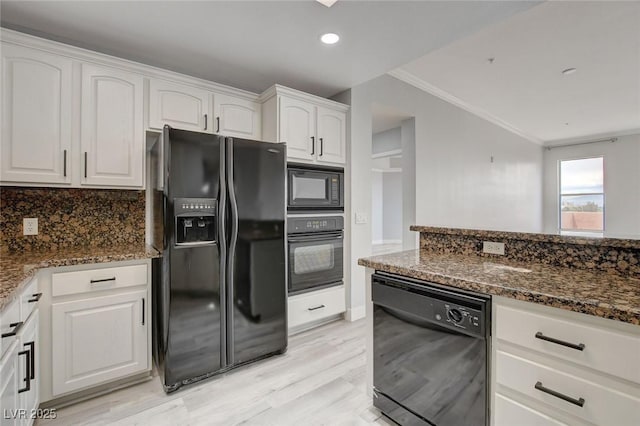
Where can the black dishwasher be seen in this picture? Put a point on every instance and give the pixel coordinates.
(430, 352)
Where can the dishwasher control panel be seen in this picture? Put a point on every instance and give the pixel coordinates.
(458, 316)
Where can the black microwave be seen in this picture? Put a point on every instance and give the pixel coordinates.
(314, 188)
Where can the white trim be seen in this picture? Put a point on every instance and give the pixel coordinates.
(384, 154)
(411, 79)
(356, 313)
(387, 242)
(394, 170)
(278, 89)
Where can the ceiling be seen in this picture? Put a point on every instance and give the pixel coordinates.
(254, 44)
(524, 89)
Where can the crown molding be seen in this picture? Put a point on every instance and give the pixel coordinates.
(278, 89)
(414, 81)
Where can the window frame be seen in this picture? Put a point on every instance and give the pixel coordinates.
(581, 232)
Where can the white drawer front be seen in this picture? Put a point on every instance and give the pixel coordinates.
(315, 306)
(600, 344)
(602, 406)
(509, 412)
(29, 299)
(77, 282)
(9, 315)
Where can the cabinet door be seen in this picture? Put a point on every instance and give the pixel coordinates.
(112, 138)
(9, 399)
(97, 340)
(36, 116)
(29, 399)
(332, 136)
(179, 106)
(298, 128)
(236, 117)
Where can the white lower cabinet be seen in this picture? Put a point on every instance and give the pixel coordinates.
(510, 412)
(19, 365)
(308, 308)
(552, 366)
(98, 339)
(9, 397)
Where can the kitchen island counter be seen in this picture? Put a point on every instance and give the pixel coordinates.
(602, 294)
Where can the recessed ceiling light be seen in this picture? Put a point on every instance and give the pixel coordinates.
(568, 71)
(330, 38)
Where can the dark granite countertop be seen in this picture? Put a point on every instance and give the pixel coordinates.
(596, 293)
(17, 269)
(528, 236)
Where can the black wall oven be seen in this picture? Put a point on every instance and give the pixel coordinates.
(314, 188)
(315, 252)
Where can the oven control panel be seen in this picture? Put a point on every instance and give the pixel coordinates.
(306, 224)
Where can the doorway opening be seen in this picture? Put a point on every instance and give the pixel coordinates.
(393, 180)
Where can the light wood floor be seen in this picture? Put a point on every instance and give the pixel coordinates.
(319, 381)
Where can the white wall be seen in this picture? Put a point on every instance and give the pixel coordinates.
(621, 184)
(456, 183)
(392, 207)
(376, 207)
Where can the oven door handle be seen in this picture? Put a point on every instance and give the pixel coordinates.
(315, 237)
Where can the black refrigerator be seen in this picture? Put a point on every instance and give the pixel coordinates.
(219, 287)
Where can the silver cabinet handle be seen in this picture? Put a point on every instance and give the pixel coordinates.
(321, 147)
(16, 328)
(35, 297)
(64, 163)
(218, 124)
(313, 145)
(103, 280)
(578, 347)
(579, 402)
(205, 122)
(316, 308)
(85, 164)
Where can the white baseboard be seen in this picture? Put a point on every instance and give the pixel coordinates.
(354, 314)
(386, 242)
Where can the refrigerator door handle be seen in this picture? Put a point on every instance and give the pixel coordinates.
(233, 239)
(222, 244)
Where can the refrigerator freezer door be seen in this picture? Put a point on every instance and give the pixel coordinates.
(194, 339)
(256, 271)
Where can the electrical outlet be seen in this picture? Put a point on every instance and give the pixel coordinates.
(30, 226)
(361, 218)
(492, 247)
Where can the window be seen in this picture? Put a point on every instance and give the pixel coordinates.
(582, 196)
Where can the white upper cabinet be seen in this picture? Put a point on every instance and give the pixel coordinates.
(36, 116)
(314, 129)
(332, 135)
(112, 133)
(237, 117)
(298, 128)
(179, 106)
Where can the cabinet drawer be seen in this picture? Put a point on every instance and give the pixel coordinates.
(601, 405)
(601, 345)
(29, 299)
(509, 412)
(78, 282)
(315, 306)
(9, 315)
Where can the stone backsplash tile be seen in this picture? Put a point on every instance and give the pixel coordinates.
(71, 218)
(621, 256)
